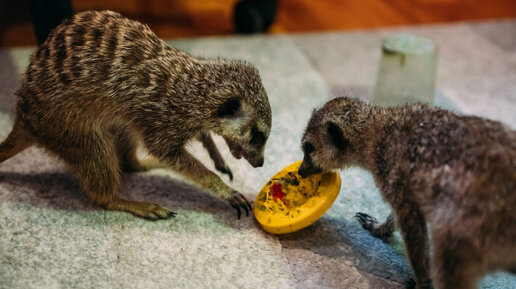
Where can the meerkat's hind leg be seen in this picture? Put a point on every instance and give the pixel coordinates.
(382, 231)
(209, 144)
(126, 146)
(17, 140)
(96, 165)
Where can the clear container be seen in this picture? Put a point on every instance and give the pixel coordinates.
(407, 71)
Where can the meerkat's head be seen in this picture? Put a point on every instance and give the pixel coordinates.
(333, 136)
(244, 116)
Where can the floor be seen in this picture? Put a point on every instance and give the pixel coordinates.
(185, 18)
(53, 237)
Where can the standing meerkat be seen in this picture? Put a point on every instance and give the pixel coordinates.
(101, 83)
(455, 173)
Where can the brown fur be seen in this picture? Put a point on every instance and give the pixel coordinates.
(455, 173)
(101, 83)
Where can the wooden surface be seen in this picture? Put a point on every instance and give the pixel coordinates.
(188, 18)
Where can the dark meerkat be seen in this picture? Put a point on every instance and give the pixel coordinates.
(455, 173)
(101, 84)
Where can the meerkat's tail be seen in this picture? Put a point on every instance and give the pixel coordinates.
(17, 140)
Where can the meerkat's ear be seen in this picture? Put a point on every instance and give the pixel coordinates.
(229, 107)
(337, 136)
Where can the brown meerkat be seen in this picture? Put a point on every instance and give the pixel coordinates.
(455, 173)
(101, 83)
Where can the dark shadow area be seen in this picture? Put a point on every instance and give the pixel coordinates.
(53, 190)
(343, 240)
(61, 191)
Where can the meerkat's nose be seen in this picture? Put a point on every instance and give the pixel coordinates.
(307, 169)
(302, 171)
(258, 163)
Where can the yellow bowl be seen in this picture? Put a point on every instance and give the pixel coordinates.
(300, 203)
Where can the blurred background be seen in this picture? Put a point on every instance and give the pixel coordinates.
(187, 18)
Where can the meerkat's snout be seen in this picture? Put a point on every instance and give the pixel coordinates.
(255, 160)
(256, 146)
(322, 143)
(307, 169)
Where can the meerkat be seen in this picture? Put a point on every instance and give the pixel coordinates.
(101, 84)
(451, 175)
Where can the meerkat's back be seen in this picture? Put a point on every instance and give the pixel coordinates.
(462, 172)
(442, 149)
(92, 63)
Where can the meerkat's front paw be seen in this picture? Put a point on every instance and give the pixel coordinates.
(369, 223)
(237, 201)
(381, 231)
(224, 168)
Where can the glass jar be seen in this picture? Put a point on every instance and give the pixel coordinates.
(407, 71)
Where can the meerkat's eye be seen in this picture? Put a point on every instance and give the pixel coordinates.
(308, 148)
(337, 136)
(229, 108)
(257, 137)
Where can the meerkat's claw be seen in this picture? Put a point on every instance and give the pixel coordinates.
(141, 209)
(163, 213)
(239, 201)
(158, 213)
(226, 170)
(366, 221)
(382, 231)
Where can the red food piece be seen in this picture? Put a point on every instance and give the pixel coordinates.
(276, 192)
